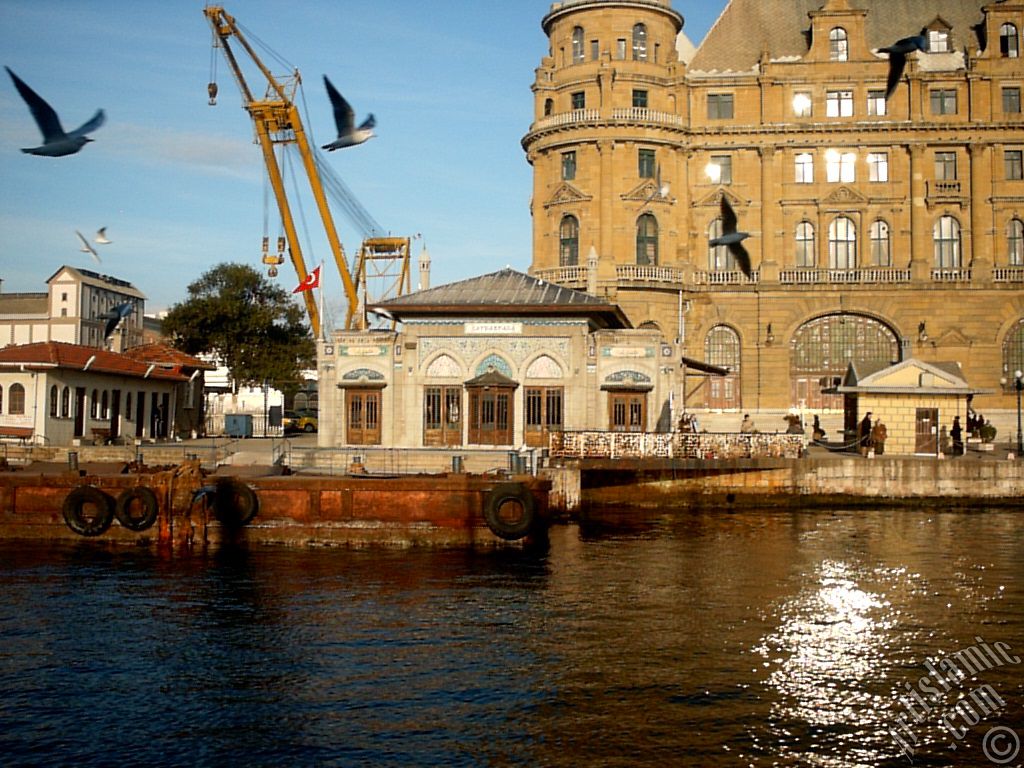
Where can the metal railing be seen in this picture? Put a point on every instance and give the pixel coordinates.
(675, 445)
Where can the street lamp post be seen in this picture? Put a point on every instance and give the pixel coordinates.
(1018, 384)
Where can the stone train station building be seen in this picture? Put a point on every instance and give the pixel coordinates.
(880, 229)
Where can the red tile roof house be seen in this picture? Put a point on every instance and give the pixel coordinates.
(54, 393)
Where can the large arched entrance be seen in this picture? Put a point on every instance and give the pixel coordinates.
(822, 349)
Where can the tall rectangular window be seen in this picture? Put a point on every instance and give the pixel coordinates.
(839, 104)
(804, 167)
(620, 48)
(720, 106)
(568, 166)
(802, 104)
(1012, 160)
(639, 98)
(646, 164)
(723, 170)
(1011, 101)
(943, 101)
(840, 166)
(945, 166)
(876, 103)
(595, 50)
(579, 100)
(878, 166)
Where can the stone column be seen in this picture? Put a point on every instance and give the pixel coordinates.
(982, 254)
(920, 232)
(769, 265)
(606, 240)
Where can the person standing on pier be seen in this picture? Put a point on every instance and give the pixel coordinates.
(957, 434)
(864, 434)
(878, 435)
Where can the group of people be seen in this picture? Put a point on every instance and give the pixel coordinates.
(871, 437)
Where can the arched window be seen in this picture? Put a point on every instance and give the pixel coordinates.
(881, 255)
(639, 42)
(1015, 243)
(53, 401)
(569, 242)
(549, 106)
(822, 349)
(94, 404)
(16, 400)
(805, 244)
(104, 405)
(842, 244)
(838, 44)
(1008, 45)
(65, 403)
(1013, 353)
(719, 257)
(946, 236)
(577, 45)
(128, 405)
(647, 240)
(722, 348)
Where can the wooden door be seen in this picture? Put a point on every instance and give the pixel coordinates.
(926, 432)
(442, 416)
(491, 416)
(627, 411)
(362, 414)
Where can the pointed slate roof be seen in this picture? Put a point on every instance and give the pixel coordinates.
(506, 293)
(746, 28)
(57, 354)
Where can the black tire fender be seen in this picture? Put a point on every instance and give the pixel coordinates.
(506, 496)
(147, 500)
(234, 502)
(74, 507)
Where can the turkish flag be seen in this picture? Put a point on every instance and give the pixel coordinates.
(312, 281)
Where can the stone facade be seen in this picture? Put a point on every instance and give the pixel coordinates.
(880, 229)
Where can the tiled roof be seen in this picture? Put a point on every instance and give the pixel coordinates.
(506, 292)
(167, 356)
(57, 354)
(746, 28)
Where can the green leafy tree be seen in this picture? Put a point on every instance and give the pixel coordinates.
(254, 326)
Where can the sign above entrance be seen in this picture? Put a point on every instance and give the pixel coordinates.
(493, 329)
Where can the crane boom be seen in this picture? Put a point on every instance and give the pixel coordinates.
(277, 120)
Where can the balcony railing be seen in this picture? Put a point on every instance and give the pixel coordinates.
(645, 115)
(1008, 275)
(944, 190)
(627, 114)
(811, 276)
(951, 275)
(643, 273)
(724, 277)
(568, 118)
(575, 275)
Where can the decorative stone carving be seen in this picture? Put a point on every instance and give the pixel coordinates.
(544, 367)
(444, 367)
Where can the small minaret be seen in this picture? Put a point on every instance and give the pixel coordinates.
(424, 270)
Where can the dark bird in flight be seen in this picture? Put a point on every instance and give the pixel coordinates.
(56, 143)
(898, 58)
(345, 120)
(115, 316)
(732, 239)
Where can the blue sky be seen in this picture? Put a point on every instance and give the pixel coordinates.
(180, 185)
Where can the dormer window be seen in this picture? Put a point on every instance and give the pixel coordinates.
(1008, 43)
(838, 45)
(577, 45)
(639, 42)
(938, 41)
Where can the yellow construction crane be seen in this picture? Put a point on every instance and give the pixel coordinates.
(277, 121)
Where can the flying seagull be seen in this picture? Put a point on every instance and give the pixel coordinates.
(56, 143)
(898, 58)
(115, 316)
(86, 248)
(345, 119)
(101, 236)
(732, 239)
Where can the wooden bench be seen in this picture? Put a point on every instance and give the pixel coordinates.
(21, 434)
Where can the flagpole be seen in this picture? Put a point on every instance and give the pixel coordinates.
(323, 319)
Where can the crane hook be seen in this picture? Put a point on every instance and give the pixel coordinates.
(212, 90)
